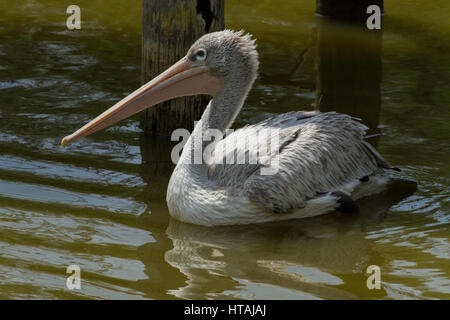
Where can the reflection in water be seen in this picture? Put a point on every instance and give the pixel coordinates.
(271, 254)
(304, 258)
(349, 71)
(156, 159)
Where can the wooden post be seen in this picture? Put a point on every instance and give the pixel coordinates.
(349, 10)
(169, 28)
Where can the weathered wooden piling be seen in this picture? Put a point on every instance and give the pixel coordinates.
(169, 28)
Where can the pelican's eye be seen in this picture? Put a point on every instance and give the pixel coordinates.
(200, 54)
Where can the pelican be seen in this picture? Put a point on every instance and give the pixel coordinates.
(321, 163)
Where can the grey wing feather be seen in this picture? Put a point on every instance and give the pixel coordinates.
(318, 153)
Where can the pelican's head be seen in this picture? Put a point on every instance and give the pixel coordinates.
(213, 60)
(226, 53)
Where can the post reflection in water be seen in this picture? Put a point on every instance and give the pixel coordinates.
(349, 71)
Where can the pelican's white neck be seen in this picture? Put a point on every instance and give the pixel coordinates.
(218, 115)
(190, 191)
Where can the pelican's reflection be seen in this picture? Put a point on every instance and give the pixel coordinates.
(306, 258)
(297, 256)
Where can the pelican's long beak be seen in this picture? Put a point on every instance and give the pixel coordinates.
(184, 78)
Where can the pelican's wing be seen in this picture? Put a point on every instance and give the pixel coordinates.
(317, 153)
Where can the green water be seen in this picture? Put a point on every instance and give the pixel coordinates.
(101, 205)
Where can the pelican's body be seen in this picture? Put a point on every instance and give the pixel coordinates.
(320, 164)
(321, 153)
